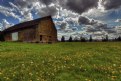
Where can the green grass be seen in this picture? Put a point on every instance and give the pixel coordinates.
(60, 62)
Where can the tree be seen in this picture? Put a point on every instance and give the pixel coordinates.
(90, 40)
(63, 39)
(119, 38)
(70, 39)
(106, 38)
(82, 39)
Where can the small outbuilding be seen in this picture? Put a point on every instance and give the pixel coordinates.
(41, 30)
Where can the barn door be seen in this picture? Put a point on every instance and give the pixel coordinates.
(40, 37)
(15, 36)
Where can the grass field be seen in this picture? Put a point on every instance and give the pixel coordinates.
(60, 62)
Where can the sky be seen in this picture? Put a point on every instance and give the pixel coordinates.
(76, 18)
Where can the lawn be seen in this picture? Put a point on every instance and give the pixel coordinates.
(60, 61)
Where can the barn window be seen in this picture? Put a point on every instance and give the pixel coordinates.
(40, 37)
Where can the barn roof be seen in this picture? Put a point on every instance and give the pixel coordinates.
(27, 24)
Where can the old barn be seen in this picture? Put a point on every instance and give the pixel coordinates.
(41, 30)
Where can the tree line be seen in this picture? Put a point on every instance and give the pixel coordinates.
(83, 39)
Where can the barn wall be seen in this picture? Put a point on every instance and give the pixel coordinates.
(27, 35)
(8, 37)
(24, 35)
(48, 31)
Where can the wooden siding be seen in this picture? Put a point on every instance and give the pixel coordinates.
(8, 37)
(24, 35)
(27, 35)
(47, 30)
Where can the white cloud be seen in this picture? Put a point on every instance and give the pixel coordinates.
(8, 12)
(5, 24)
(25, 12)
(26, 17)
(100, 6)
(0, 27)
(118, 29)
(118, 21)
(94, 13)
(13, 5)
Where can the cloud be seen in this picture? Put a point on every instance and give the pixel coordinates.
(47, 11)
(118, 29)
(13, 5)
(40, 7)
(66, 21)
(91, 29)
(8, 12)
(96, 28)
(63, 26)
(83, 20)
(5, 24)
(47, 2)
(0, 27)
(24, 9)
(80, 6)
(111, 31)
(111, 4)
(47, 7)
(26, 17)
(95, 13)
(101, 30)
(99, 27)
(118, 20)
(17, 11)
(86, 21)
(24, 3)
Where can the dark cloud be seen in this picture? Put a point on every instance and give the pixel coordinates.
(111, 30)
(96, 28)
(71, 22)
(25, 7)
(63, 26)
(83, 20)
(65, 29)
(80, 6)
(92, 22)
(47, 2)
(93, 26)
(86, 21)
(111, 4)
(77, 6)
(100, 27)
(101, 32)
(91, 29)
(21, 3)
(46, 11)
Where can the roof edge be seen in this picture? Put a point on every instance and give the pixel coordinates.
(30, 23)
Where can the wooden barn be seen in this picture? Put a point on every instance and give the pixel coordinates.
(41, 30)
